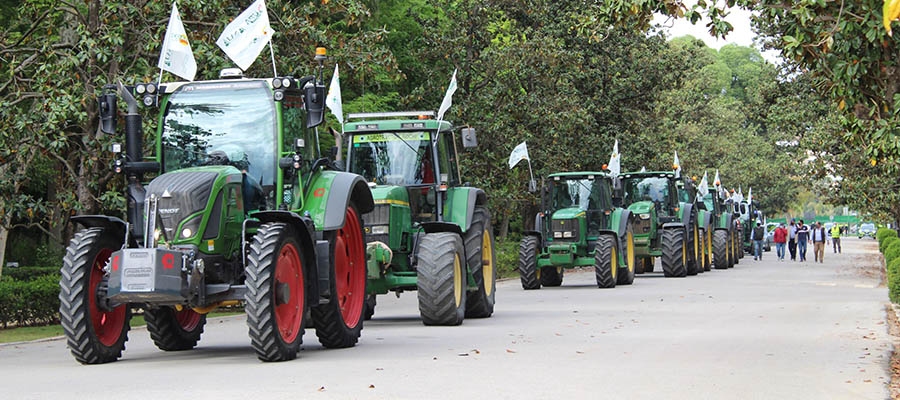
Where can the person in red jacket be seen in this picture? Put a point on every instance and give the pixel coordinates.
(780, 240)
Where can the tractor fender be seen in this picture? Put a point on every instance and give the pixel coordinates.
(674, 225)
(705, 220)
(687, 216)
(316, 271)
(329, 195)
(111, 224)
(619, 224)
(460, 205)
(435, 226)
(727, 226)
(538, 231)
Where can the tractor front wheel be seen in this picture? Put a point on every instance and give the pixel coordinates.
(721, 253)
(673, 253)
(339, 322)
(371, 301)
(276, 290)
(605, 262)
(94, 333)
(626, 268)
(173, 330)
(479, 241)
(528, 270)
(552, 276)
(693, 266)
(441, 281)
(707, 249)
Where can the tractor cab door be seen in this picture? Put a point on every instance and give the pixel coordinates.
(294, 137)
(599, 207)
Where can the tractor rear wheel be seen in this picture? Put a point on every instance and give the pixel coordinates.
(339, 322)
(721, 252)
(626, 269)
(551, 276)
(738, 249)
(371, 301)
(693, 266)
(479, 241)
(173, 330)
(94, 333)
(276, 290)
(673, 253)
(707, 249)
(605, 262)
(441, 280)
(529, 273)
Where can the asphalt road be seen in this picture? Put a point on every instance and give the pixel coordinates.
(763, 330)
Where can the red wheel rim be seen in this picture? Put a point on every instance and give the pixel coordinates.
(289, 313)
(350, 269)
(188, 319)
(107, 324)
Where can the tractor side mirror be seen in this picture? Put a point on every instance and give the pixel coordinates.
(314, 97)
(108, 117)
(469, 139)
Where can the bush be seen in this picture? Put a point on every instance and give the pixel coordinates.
(891, 252)
(32, 302)
(887, 242)
(893, 275)
(883, 233)
(507, 258)
(29, 273)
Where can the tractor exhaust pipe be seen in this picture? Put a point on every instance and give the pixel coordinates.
(134, 151)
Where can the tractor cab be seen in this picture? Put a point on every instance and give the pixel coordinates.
(579, 204)
(659, 188)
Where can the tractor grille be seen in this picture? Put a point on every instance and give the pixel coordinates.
(180, 194)
(559, 228)
(641, 225)
(380, 216)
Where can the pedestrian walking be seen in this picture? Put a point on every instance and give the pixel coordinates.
(836, 238)
(819, 236)
(759, 234)
(792, 240)
(780, 241)
(802, 237)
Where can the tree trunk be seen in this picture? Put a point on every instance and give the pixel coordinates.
(4, 234)
(504, 226)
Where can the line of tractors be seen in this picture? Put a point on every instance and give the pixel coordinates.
(243, 209)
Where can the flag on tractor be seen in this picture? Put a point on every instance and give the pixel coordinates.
(615, 166)
(676, 165)
(176, 55)
(518, 154)
(703, 188)
(245, 37)
(750, 196)
(448, 99)
(333, 100)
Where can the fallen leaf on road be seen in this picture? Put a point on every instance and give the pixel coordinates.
(849, 381)
(557, 334)
(510, 351)
(434, 358)
(579, 352)
(371, 386)
(476, 351)
(868, 381)
(322, 389)
(379, 369)
(463, 354)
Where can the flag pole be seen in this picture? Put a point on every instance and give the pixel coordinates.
(272, 53)
(532, 185)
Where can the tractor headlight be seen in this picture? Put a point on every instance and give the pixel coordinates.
(381, 230)
(148, 101)
(191, 227)
(276, 83)
(557, 235)
(140, 89)
(156, 234)
(186, 233)
(286, 82)
(568, 234)
(151, 88)
(645, 216)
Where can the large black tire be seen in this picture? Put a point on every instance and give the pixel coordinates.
(481, 261)
(441, 280)
(605, 268)
(552, 276)
(528, 270)
(706, 234)
(275, 301)
(693, 266)
(649, 264)
(173, 330)
(371, 302)
(91, 341)
(625, 275)
(721, 252)
(738, 252)
(673, 257)
(339, 322)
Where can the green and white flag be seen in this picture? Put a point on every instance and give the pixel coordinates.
(245, 37)
(333, 100)
(750, 196)
(448, 98)
(176, 55)
(703, 188)
(518, 154)
(615, 166)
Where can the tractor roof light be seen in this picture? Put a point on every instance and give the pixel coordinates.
(320, 53)
(140, 89)
(148, 101)
(286, 82)
(151, 88)
(276, 83)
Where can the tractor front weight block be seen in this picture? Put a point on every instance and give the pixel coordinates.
(148, 275)
(562, 254)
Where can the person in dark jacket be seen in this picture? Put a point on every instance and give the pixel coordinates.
(802, 238)
(819, 237)
(792, 240)
(759, 234)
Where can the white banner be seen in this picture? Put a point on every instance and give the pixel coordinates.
(677, 166)
(615, 166)
(703, 188)
(448, 98)
(518, 154)
(245, 37)
(333, 100)
(176, 55)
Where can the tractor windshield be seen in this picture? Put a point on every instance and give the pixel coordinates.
(221, 124)
(583, 194)
(655, 189)
(389, 158)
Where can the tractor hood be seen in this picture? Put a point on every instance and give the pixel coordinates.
(641, 207)
(184, 196)
(568, 213)
(384, 194)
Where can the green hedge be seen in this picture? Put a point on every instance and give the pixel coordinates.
(893, 274)
(33, 302)
(883, 233)
(507, 257)
(29, 273)
(891, 252)
(886, 242)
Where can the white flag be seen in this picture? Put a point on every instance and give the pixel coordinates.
(677, 166)
(750, 196)
(333, 100)
(518, 154)
(245, 37)
(176, 55)
(615, 166)
(718, 184)
(448, 99)
(703, 188)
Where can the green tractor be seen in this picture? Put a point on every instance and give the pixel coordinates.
(242, 209)
(579, 226)
(687, 193)
(725, 247)
(428, 232)
(667, 224)
(749, 216)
